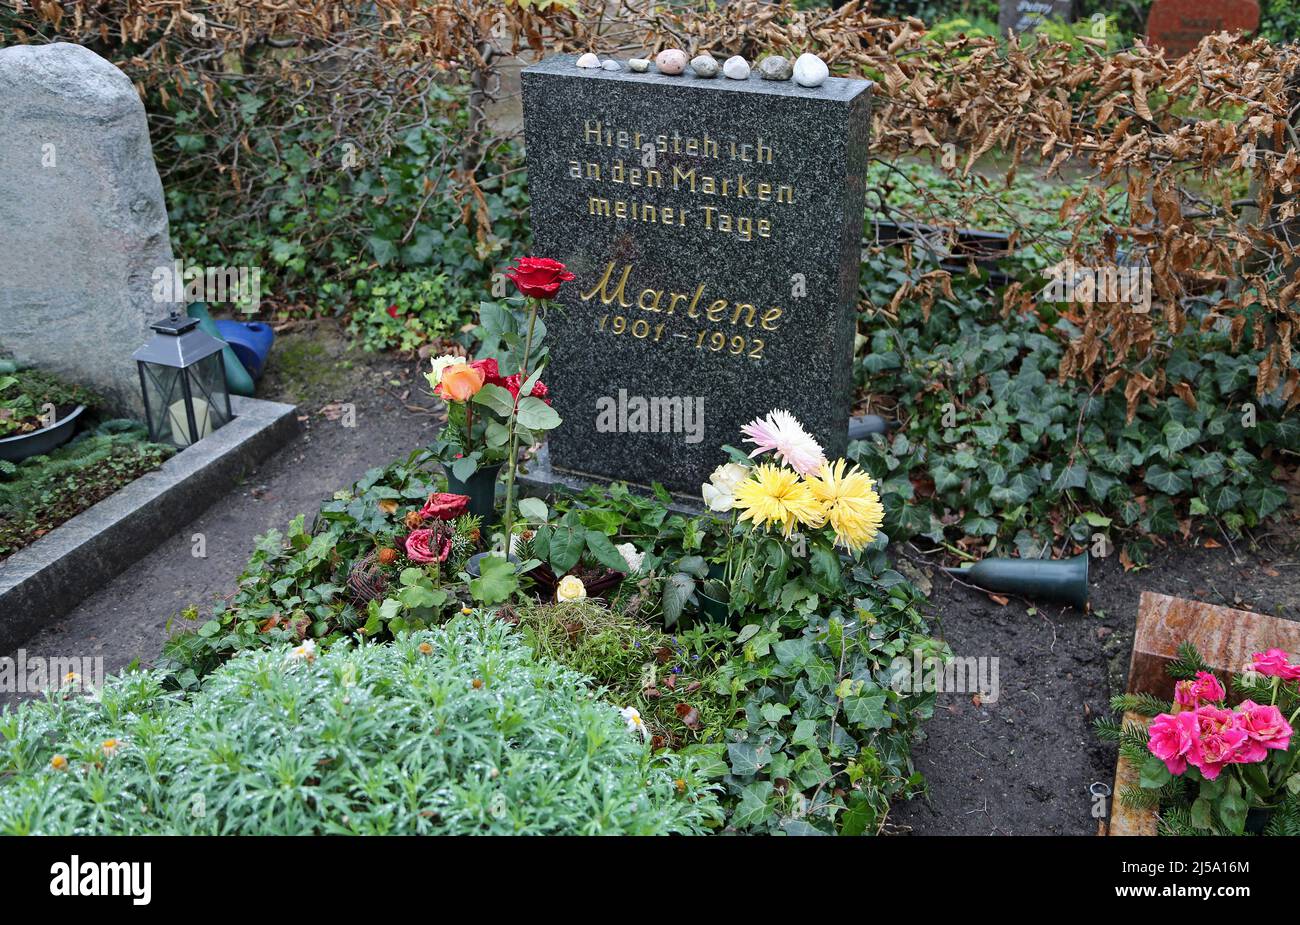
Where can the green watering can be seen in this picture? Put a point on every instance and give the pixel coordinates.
(1064, 580)
(237, 378)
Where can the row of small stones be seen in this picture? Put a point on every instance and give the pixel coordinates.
(808, 70)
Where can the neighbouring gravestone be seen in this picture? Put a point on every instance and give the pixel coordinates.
(83, 223)
(1226, 639)
(1023, 16)
(714, 226)
(1178, 25)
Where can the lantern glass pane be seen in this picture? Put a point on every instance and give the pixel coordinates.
(165, 396)
(211, 397)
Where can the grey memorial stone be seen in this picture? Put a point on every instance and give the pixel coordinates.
(83, 223)
(1024, 16)
(715, 229)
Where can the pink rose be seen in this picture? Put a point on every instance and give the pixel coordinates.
(1205, 688)
(1218, 739)
(1274, 664)
(1265, 725)
(428, 546)
(1172, 736)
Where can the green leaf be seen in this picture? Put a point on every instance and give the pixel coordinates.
(603, 549)
(536, 414)
(1154, 774)
(753, 807)
(1166, 480)
(747, 758)
(496, 398)
(567, 545)
(679, 588)
(1179, 436)
(1201, 813)
(1232, 810)
(867, 710)
(496, 582)
(533, 509)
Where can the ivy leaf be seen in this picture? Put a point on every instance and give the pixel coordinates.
(1265, 499)
(679, 588)
(1164, 479)
(1179, 436)
(867, 710)
(747, 759)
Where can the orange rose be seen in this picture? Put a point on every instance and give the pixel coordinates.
(460, 382)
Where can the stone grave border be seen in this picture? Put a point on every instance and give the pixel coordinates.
(45, 580)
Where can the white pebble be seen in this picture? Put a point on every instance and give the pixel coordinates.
(810, 71)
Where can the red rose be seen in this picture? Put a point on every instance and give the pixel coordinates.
(491, 374)
(539, 277)
(444, 506)
(515, 383)
(392, 311)
(421, 545)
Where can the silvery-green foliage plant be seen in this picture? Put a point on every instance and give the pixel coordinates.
(454, 730)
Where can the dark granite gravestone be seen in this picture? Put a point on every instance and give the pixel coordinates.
(1178, 26)
(1022, 16)
(715, 229)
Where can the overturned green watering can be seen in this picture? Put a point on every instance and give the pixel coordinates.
(1064, 580)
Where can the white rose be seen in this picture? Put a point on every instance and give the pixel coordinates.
(719, 491)
(439, 365)
(570, 588)
(631, 557)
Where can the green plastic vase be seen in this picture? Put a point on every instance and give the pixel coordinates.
(1064, 580)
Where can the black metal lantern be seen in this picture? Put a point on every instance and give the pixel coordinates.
(183, 380)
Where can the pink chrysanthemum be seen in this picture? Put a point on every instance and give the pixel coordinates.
(782, 434)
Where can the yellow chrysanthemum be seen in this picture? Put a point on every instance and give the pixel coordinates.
(777, 496)
(852, 505)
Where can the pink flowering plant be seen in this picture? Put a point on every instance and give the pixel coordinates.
(1211, 767)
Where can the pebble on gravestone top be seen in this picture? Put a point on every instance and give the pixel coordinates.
(83, 222)
(714, 228)
(1023, 16)
(705, 66)
(736, 67)
(775, 67)
(1178, 26)
(671, 61)
(810, 71)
